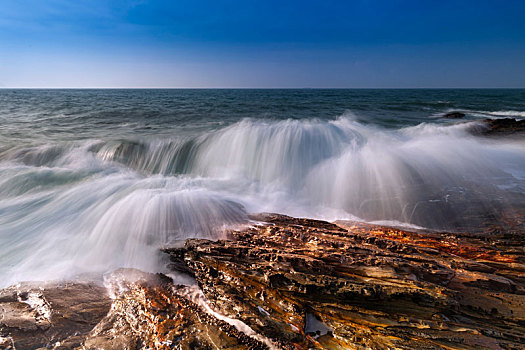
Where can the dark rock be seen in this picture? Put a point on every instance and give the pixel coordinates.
(505, 126)
(454, 115)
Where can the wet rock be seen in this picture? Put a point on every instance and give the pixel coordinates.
(506, 126)
(291, 283)
(149, 312)
(51, 315)
(454, 115)
(311, 284)
(141, 311)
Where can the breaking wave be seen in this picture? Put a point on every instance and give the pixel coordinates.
(89, 206)
(499, 114)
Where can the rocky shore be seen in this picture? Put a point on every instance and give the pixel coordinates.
(289, 283)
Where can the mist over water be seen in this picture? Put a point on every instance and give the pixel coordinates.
(95, 180)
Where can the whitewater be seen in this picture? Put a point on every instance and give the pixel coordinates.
(91, 185)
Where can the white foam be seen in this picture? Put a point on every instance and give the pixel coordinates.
(314, 325)
(520, 114)
(499, 114)
(194, 294)
(37, 302)
(94, 206)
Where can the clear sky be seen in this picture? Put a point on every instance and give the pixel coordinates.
(265, 43)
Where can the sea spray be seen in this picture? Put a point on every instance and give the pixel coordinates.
(79, 198)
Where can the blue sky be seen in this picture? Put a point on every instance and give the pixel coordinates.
(324, 43)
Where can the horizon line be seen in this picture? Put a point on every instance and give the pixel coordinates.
(252, 88)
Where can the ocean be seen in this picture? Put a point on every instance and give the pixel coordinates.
(97, 179)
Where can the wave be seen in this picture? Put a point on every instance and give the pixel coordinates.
(105, 221)
(498, 114)
(89, 206)
(517, 114)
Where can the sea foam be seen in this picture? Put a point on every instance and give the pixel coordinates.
(94, 205)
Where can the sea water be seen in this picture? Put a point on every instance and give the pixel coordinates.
(93, 180)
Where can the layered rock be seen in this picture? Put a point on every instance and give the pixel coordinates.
(145, 311)
(289, 283)
(312, 284)
(149, 312)
(50, 315)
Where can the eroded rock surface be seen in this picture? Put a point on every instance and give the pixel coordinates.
(145, 311)
(312, 284)
(50, 315)
(289, 283)
(149, 312)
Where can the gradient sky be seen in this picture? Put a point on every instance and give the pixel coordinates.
(266, 43)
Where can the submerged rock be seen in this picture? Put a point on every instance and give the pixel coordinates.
(453, 115)
(312, 284)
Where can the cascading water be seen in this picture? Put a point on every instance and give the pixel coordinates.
(92, 205)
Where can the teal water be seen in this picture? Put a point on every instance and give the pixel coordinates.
(92, 180)
(106, 113)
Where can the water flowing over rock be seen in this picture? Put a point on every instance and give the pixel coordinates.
(94, 205)
(147, 312)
